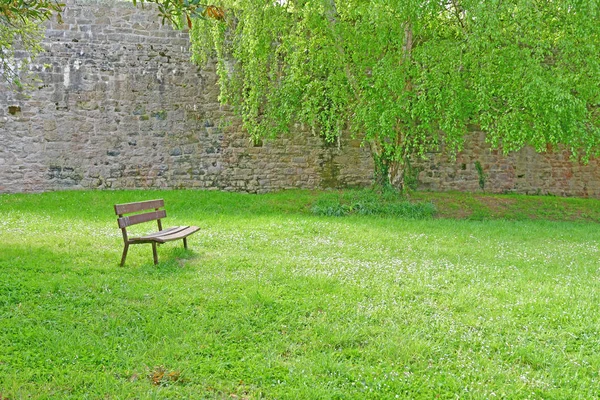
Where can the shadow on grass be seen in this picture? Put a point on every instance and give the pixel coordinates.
(30, 271)
(170, 261)
(98, 205)
(19, 261)
(15, 260)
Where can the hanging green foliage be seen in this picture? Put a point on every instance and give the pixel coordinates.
(409, 75)
(20, 30)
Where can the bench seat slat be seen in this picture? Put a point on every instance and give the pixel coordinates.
(164, 232)
(174, 233)
(179, 235)
(160, 233)
(139, 206)
(124, 222)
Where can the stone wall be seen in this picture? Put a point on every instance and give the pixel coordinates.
(118, 105)
(524, 172)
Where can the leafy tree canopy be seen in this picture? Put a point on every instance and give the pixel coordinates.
(20, 30)
(409, 74)
(181, 12)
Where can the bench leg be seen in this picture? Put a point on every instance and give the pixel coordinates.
(154, 253)
(124, 256)
(185, 243)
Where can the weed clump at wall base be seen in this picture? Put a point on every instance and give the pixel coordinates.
(368, 202)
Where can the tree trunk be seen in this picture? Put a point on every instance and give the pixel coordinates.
(397, 174)
(389, 172)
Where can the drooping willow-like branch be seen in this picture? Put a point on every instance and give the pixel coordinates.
(181, 12)
(15, 11)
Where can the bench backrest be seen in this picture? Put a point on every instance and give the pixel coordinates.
(128, 208)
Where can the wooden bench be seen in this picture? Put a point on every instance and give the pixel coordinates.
(162, 236)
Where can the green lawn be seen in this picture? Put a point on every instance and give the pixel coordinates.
(274, 302)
